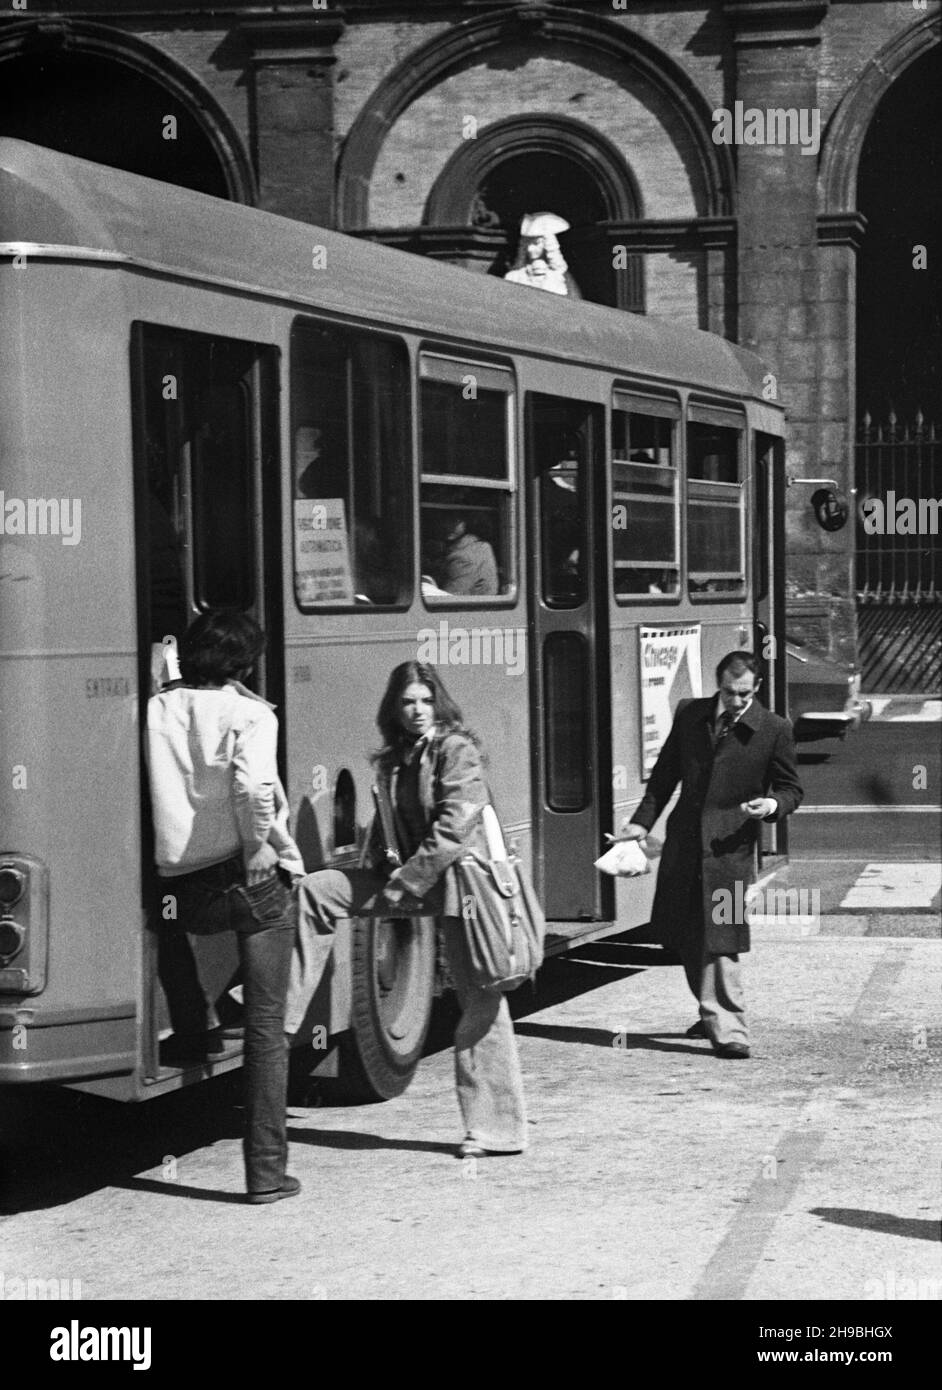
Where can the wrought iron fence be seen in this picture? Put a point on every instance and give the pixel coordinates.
(899, 469)
(898, 555)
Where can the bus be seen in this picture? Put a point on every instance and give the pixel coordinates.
(208, 406)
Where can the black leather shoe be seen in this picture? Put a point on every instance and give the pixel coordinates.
(289, 1188)
(697, 1030)
(733, 1052)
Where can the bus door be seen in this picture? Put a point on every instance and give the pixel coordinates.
(571, 697)
(208, 536)
(768, 590)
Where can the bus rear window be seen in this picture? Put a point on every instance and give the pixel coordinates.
(715, 510)
(351, 468)
(467, 481)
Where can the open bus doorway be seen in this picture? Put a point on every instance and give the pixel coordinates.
(207, 537)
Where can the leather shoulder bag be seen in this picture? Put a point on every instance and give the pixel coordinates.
(503, 922)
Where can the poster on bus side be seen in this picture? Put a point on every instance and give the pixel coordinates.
(670, 672)
(321, 551)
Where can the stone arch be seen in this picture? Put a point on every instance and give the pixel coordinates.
(848, 126)
(449, 202)
(466, 42)
(88, 39)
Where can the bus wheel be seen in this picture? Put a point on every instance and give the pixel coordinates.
(392, 980)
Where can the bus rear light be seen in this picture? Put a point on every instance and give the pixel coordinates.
(24, 924)
(12, 885)
(11, 939)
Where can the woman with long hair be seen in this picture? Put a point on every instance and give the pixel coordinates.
(430, 769)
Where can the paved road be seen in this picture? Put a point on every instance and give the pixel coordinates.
(656, 1171)
(874, 769)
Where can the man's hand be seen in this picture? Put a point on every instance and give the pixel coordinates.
(759, 807)
(628, 830)
(260, 865)
(396, 896)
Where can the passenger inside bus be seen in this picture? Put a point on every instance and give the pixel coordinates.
(459, 560)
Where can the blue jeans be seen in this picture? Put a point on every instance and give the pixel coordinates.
(488, 1079)
(218, 899)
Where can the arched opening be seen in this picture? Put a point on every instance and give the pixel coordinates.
(101, 94)
(542, 182)
(899, 384)
(899, 191)
(102, 110)
(544, 163)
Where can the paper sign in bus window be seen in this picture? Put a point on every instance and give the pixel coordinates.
(322, 551)
(670, 672)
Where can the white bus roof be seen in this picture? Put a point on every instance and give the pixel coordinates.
(49, 199)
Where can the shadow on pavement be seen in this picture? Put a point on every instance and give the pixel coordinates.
(356, 1139)
(177, 1189)
(912, 1227)
(59, 1145)
(604, 1037)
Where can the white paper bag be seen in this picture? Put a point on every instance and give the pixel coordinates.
(624, 860)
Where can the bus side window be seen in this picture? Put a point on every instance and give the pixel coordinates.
(716, 561)
(221, 452)
(168, 603)
(351, 468)
(196, 407)
(468, 550)
(645, 500)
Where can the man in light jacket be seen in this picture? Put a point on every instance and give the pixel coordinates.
(226, 860)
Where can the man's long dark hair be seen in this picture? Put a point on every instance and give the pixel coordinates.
(218, 646)
(448, 717)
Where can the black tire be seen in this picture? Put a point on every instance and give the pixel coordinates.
(392, 987)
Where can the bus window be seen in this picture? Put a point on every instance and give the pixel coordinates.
(715, 511)
(223, 530)
(168, 606)
(196, 399)
(351, 468)
(645, 499)
(567, 721)
(560, 452)
(467, 481)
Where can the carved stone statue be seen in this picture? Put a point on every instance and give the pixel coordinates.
(540, 263)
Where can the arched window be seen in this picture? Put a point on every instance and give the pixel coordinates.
(546, 163)
(71, 84)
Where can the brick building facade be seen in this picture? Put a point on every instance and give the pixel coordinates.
(431, 125)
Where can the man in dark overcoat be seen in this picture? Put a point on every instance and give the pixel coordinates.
(735, 761)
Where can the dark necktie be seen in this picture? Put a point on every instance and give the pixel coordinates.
(727, 721)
